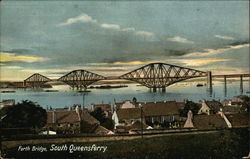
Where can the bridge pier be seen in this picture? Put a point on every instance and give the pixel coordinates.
(225, 85)
(154, 89)
(241, 84)
(163, 89)
(210, 82)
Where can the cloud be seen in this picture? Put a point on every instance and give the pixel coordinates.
(88, 19)
(133, 30)
(198, 62)
(181, 62)
(12, 57)
(209, 52)
(81, 18)
(12, 67)
(111, 26)
(224, 37)
(180, 40)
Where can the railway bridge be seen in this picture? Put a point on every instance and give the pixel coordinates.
(153, 75)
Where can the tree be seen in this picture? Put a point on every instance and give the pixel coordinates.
(26, 114)
(134, 100)
(189, 106)
(100, 116)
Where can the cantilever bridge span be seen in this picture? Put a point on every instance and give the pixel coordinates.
(81, 78)
(161, 75)
(36, 80)
(153, 75)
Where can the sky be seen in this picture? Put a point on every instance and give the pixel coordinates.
(111, 38)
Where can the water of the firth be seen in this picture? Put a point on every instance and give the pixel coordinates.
(179, 92)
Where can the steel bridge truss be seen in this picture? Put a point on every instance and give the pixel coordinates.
(161, 75)
(36, 80)
(80, 78)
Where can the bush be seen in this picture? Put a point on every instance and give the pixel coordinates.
(189, 106)
(24, 115)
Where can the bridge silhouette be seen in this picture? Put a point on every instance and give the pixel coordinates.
(153, 75)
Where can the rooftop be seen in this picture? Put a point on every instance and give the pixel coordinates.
(209, 121)
(160, 108)
(62, 116)
(129, 113)
(239, 120)
(69, 116)
(214, 105)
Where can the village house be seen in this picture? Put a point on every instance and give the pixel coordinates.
(212, 121)
(160, 112)
(66, 121)
(126, 116)
(210, 107)
(232, 110)
(239, 120)
(217, 121)
(151, 113)
(126, 104)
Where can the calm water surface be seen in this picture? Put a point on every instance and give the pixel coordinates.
(179, 92)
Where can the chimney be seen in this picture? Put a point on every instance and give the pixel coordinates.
(189, 123)
(78, 111)
(225, 118)
(53, 117)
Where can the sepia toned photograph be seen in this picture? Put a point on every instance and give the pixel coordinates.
(107, 79)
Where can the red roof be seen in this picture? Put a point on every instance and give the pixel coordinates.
(129, 113)
(160, 108)
(62, 116)
(238, 120)
(70, 116)
(209, 121)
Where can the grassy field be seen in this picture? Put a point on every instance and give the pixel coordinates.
(225, 144)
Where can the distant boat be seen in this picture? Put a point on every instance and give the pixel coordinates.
(8, 91)
(107, 86)
(51, 91)
(84, 91)
(199, 85)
